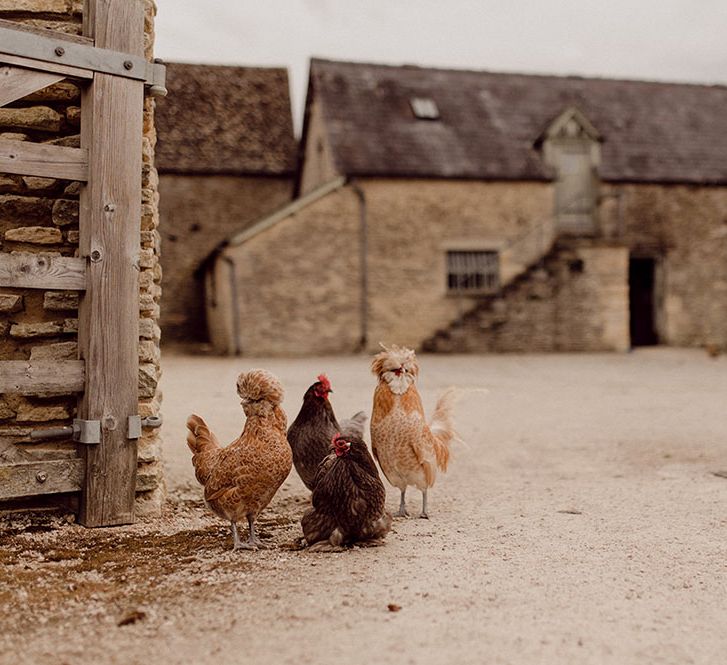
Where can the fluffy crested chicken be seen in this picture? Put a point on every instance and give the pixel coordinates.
(408, 449)
(313, 428)
(241, 479)
(349, 499)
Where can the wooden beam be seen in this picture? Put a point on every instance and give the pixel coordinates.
(35, 478)
(21, 377)
(16, 83)
(38, 271)
(111, 131)
(41, 159)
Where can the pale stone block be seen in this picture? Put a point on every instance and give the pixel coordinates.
(28, 413)
(36, 184)
(148, 379)
(148, 329)
(39, 118)
(10, 303)
(64, 91)
(27, 330)
(60, 300)
(36, 235)
(59, 351)
(34, 6)
(149, 352)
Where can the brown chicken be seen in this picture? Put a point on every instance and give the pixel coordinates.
(313, 428)
(408, 449)
(241, 479)
(349, 499)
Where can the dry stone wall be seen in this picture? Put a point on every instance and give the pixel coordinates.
(40, 215)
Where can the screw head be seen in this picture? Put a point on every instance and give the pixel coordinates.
(59, 51)
(128, 64)
(41, 476)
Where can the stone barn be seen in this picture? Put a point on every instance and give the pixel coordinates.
(226, 156)
(475, 211)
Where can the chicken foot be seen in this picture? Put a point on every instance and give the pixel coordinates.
(402, 505)
(252, 543)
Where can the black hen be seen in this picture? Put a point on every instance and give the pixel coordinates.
(349, 499)
(311, 432)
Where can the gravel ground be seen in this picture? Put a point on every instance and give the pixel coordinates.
(584, 521)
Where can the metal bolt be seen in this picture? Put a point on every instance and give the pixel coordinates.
(95, 255)
(109, 207)
(41, 476)
(60, 51)
(128, 64)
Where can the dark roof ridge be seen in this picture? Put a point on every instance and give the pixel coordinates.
(539, 75)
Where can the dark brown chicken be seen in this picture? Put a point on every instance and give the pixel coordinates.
(348, 500)
(312, 430)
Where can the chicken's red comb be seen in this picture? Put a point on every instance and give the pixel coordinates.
(323, 379)
(340, 445)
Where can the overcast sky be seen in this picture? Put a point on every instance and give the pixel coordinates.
(675, 40)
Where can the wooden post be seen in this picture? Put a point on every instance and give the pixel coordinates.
(111, 132)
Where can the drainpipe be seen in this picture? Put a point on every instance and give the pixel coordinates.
(363, 261)
(235, 306)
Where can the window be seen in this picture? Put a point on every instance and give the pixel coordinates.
(424, 108)
(473, 271)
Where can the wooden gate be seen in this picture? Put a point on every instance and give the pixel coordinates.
(108, 62)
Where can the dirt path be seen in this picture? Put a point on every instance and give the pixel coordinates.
(583, 523)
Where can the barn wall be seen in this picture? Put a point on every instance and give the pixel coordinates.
(685, 229)
(198, 213)
(40, 215)
(412, 224)
(298, 284)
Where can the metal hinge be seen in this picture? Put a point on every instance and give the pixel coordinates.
(156, 78)
(137, 422)
(82, 431)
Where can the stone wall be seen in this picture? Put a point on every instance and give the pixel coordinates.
(40, 215)
(576, 299)
(298, 283)
(198, 213)
(685, 229)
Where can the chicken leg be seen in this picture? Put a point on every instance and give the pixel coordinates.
(402, 505)
(424, 515)
(252, 543)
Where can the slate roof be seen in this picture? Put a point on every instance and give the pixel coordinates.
(231, 120)
(489, 123)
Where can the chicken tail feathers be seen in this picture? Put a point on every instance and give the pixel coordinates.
(442, 427)
(204, 446)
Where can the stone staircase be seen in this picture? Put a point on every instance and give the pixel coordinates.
(523, 315)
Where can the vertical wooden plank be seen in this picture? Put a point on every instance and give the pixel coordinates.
(111, 131)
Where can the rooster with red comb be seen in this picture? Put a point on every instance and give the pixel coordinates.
(311, 433)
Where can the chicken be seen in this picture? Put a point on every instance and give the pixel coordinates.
(241, 479)
(408, 449)
(349, 499)
(312, 430)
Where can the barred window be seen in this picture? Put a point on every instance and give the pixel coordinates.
(473, 271)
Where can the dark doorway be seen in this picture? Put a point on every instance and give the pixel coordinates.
(641, 302)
